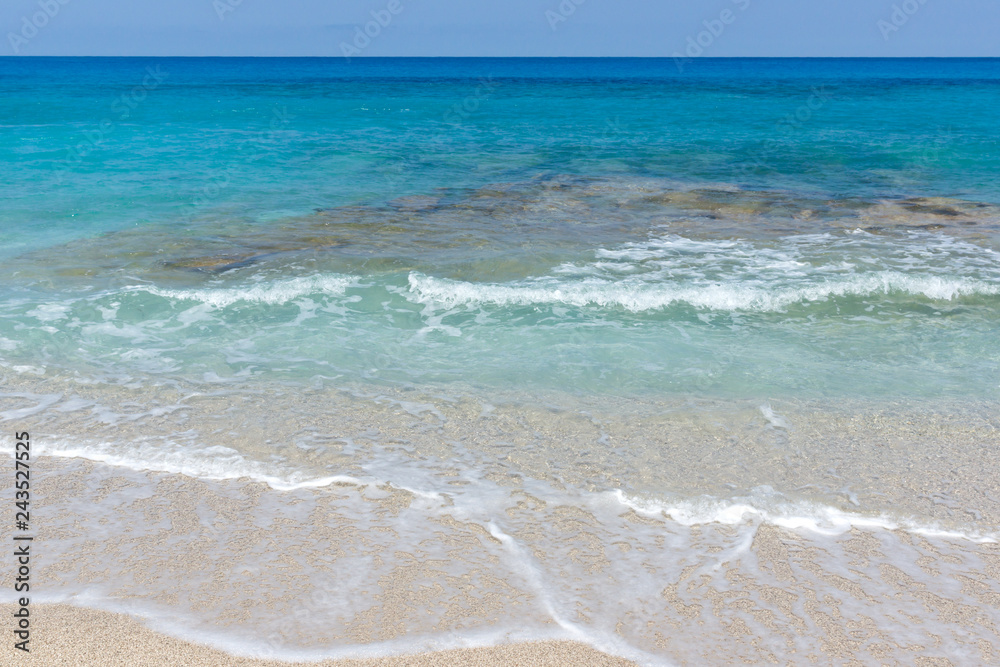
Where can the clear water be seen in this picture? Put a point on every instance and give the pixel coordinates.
(646, 223)
(578, 276)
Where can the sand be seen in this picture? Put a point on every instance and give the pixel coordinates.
(355, 564)
(67, 635)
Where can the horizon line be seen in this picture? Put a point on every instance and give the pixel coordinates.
(340, 57)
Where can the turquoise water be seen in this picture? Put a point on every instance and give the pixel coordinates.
(742, 228)
(323, 358)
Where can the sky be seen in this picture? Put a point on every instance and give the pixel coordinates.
(359, 28)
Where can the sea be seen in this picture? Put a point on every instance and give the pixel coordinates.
(696, 362)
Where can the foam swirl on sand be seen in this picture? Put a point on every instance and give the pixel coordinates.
(763, 505)
(491, 564)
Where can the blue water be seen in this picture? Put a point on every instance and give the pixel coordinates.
(744, 227)
(888, 127)
(677, 363)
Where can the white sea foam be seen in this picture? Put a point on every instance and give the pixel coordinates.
(773, 418)
(271, 293)
(49, 312)
(173, 624)
(740, 275)
(212, 463)
(767, 506)
(659, 551)
(762, 505)
(638, 296)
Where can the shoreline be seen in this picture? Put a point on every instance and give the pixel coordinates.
(500, 362)
(241, 567)
(63, 634)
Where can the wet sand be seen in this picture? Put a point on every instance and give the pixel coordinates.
(407, 522)
(345, 571)
(73, 636)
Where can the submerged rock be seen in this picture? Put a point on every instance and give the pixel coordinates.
(415, 203)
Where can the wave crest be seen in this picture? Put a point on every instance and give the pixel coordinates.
(275, 293)
(639, 296)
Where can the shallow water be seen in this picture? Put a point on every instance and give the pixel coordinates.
(698, 374)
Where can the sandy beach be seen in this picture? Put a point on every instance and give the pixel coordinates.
(349, 569)
(71, 636)
(499, 361)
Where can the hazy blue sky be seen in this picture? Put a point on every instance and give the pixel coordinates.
(503, 27)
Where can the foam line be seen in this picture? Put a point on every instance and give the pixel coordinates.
(638, 296)
(274, 293)
(770, 507)
(764, 505)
